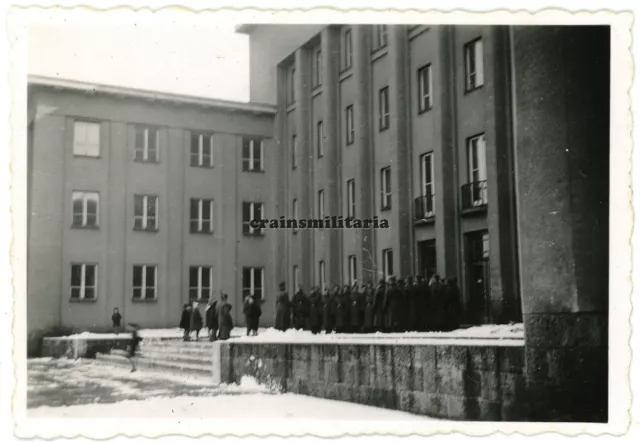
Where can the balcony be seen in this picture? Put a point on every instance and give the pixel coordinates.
(425, 209)
(474, 197)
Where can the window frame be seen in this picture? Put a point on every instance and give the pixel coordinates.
(473, 79)
(385, 188)
(199, 288)
(347, 49)
(296, 277)
(84, 149)
(384, 118)
(85, 196)
(352, 263)
(480, 164)
(428, 188)
(200, 153)
(144, 217)
(351, 198)
(252, 288)
(294, 212)
(387, 263)
(317, 68)
(320, 138)
(247, 229)
(248, 162)
(425, 71)
(144, 149)
(380, 37)
(83, 286)
(349, 125)
(291, 85)
(144, 287)
(321, 204)
(322, 276)
(294, 151)
(201, 220)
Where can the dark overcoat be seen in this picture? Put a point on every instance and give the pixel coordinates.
(300, 310)
(327, 312)
(252, 313)
(225, 321)
(283, 313)
(315, 311)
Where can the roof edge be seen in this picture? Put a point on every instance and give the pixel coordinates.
(122, 91)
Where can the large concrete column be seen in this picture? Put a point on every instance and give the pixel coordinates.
(365, 186)
(281, 253)
(399, 135)
(505, 299)
(330, 44)
(305, 154)
(562, 174)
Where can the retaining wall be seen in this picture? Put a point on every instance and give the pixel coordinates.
(448, 381)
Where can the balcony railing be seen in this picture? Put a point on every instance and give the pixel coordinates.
(474, 195)
(425, 207)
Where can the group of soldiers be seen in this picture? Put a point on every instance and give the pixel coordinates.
(396, 305)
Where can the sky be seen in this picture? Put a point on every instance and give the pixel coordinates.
(184, 53)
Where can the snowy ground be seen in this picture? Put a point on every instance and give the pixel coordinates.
(82, 389)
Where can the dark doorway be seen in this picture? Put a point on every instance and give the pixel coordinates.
(478, 278)
(427, 262)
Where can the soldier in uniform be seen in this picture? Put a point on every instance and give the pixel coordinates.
(283, 312)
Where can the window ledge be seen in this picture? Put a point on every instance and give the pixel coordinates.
(148, 230)
(425, 221)
(316, 91)
(254, 170)
(83, 300)
(379, 53)
(345, 74)
(386, 208)
(147, 162)
(291, 107)
(425, 110)
(144, 300)
(90, 157)
(85, 228)
(202, 166)
(475, 210)
(418, 30)
(201, 232)
(384, 128)
(248, 234)
(470, 91)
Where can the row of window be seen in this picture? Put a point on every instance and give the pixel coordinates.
(86, 206)
(84, 282)
(86, 143)
(473, 64)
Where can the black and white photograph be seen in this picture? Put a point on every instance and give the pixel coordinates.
(372, 219)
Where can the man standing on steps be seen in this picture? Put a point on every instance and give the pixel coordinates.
(196, 319)
(133, 345)
(211, 319)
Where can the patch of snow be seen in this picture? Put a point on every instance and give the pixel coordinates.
(249, 406)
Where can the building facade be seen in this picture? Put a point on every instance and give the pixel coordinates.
(142, 201)
(411, 124)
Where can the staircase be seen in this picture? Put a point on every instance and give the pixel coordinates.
(167, 356)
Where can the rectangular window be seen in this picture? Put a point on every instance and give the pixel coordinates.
(85, 209)
(253, 282)
(296, 277)
(317, 68)
(347, 49)
(145, 213)
(321, 203)
(385, 188)
(476, 193)
(201, 150)
(200, 282)
(86, 139)
(252, 211)
(353, 269)
(84, 281)
(291, 86)
(387, 263)
(145, 282)
(349, 124)
(351, 198)
(379, 37)
(294, 210)
(201, 216)
(294, 152)
(320, 138)
(147, 145)
(474, 65)
(322, 276)
(424, 88)
(383, 108)
(427, 186)
(252, 154)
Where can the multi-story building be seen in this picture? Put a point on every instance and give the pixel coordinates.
(142, 201)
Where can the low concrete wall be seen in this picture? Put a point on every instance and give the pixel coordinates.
(447, 381)
(77, 347)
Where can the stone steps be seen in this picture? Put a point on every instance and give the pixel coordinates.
(200, 368)
(178, 349)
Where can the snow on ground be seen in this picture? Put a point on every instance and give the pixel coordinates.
(250, 406)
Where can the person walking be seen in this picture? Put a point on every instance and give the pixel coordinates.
(116, 320)
(225, 321)
(211, 319)
(185, 321)
(133, 345)
(252, 313)
(379, 307)
(300, 309)
(327, 311)
(196, 320)
(315, 310)
(283, 314)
